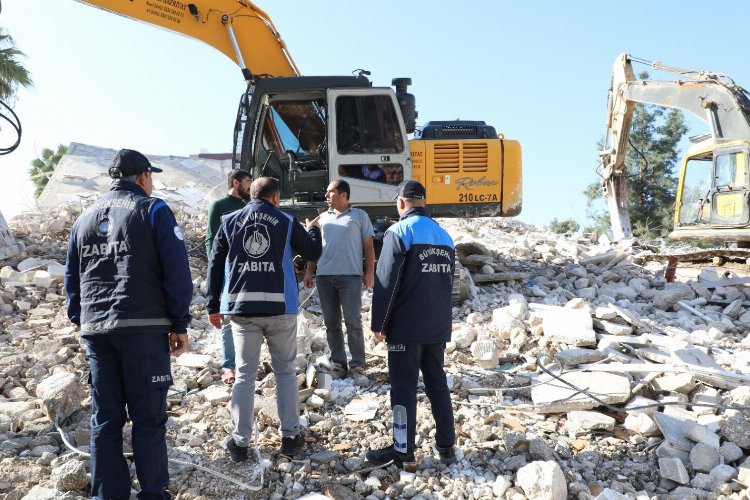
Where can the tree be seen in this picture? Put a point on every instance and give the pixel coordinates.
(563, 226)
(650, 164)
(42, 168)
(12, 72)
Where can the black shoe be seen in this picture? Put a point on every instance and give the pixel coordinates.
(385, 455)
(447, 454)
(236, 452)
(290, 446)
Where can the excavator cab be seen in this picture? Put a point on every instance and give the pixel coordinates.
(712, 197)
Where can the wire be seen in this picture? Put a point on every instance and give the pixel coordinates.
(14, 122)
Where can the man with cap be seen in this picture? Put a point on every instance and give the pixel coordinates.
(129, 288)
(411, 312)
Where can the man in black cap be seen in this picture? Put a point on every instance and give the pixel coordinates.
(411, 312)
(129, 288)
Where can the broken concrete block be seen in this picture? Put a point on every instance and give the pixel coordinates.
(217, 394)
(642, 424)
(555, 396)
(670, 426)
(70, 476)
(485, 353)
(542, 481)
(61, 395)
(568, 326)
(193, 360)
(463, 336)
(633, 406)
(613, 328)
(675, 382)
(42, 279)
(674, 470)
(590, 420)
(574, 357)
(730, 452)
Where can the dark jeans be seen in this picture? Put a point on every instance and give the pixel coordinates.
(133, 371)
(404, 363)
(339, 293)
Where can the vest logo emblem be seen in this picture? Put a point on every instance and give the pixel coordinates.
(103, 226)
(257, 241)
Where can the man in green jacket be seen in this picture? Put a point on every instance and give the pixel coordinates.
(238, 182)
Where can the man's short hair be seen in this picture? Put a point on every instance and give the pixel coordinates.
(343, 187)
(236, 175)
(263, 188)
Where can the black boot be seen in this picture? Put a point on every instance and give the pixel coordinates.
(385, 455)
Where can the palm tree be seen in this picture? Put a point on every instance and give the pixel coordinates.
(42, 168)
(12, 72)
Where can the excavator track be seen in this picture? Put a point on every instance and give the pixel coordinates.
(715, 256)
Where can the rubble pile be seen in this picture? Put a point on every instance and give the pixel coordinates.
(576, 369)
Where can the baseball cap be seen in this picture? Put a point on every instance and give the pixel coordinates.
(410, 190)
(130, 162)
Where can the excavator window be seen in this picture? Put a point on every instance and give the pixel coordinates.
(695, 199)
(367, 125)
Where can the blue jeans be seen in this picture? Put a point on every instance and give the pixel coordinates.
(227, 344)
(339, 293)
(133, 371)
(280, 332)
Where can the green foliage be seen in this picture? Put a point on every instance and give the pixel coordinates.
(650, 167)
(42, 168)
(563, 226)
(12, 72)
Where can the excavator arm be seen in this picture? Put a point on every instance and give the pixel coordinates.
(237, 28)
(713, 98)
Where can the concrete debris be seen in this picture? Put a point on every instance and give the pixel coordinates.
(676, 397)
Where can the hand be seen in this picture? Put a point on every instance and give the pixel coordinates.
(178, 343)
(312, 223)
(368, 280)
(380, 336)
(216, 319)
(308, 280)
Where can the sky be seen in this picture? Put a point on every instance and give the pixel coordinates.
(538, 71)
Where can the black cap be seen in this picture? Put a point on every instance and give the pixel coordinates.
(130, 162)
(410, 190)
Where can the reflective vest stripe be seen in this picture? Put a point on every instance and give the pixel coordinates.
(256, 296)
(122, 323)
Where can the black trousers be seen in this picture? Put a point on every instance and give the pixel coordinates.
(129, 371)
(405, 361)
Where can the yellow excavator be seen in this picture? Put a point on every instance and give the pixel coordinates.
(309, 130)
(712, 202)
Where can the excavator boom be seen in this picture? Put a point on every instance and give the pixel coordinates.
(230, 26)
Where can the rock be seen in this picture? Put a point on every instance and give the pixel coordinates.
(70, 476)
(540, 450)
(743, 472)
(741, 395)
(464, 336)
(674, 470)
(613, 328)
(193, 360)
(735, 427)
(590, 420)
(700, 434)
(61, 395)
(665, 450)
(556, 397)
(733, 309)
(730, 452)
(325, 456)
(664, 299)
(542, 481)
(723, 473)
(41, 493)
(217, 394)
(704, 457)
